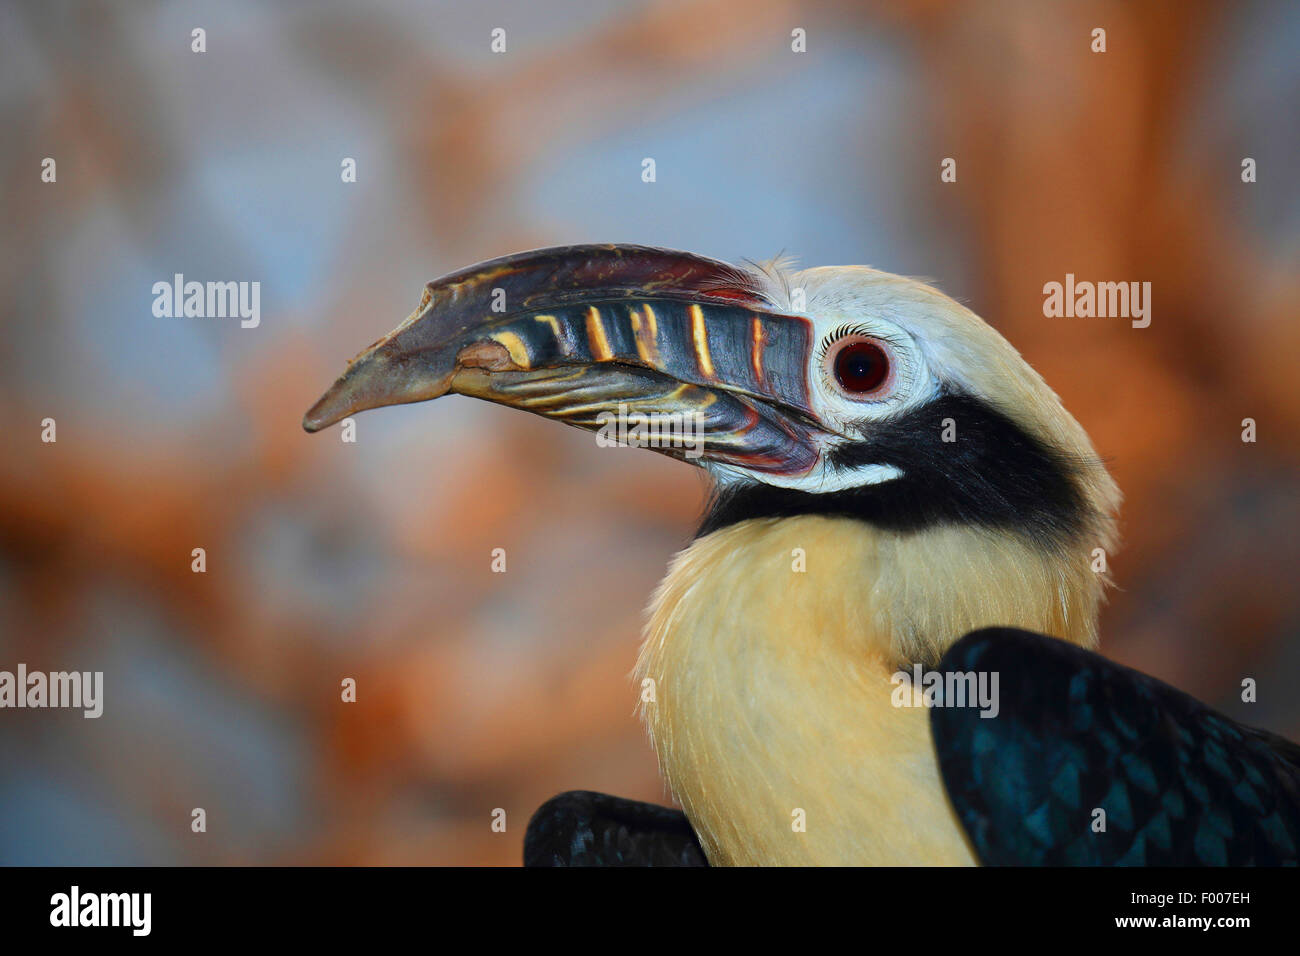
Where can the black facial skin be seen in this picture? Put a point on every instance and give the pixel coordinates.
(993, 474)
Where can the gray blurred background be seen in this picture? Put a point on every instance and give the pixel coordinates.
(371, 560)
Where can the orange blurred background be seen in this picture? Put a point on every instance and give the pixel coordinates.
(371, 560)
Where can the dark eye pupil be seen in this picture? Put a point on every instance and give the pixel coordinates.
(861, 367)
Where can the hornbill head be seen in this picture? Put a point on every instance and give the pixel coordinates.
(835, 390)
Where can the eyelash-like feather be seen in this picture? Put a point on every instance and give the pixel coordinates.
(849, 328)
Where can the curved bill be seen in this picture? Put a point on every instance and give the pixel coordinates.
(643, 346)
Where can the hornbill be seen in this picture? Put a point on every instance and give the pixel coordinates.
(897, 495)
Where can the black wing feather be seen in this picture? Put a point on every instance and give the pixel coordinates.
(1180, 784)
(582, 828)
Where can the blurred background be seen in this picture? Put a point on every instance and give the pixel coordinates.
(371, 560)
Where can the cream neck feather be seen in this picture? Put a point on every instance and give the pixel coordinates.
(772, 692)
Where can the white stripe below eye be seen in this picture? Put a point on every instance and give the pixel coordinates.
(820, 480)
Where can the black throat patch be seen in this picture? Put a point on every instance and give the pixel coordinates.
(992, 473)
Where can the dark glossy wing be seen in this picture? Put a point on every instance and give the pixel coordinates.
(1180, 784)
(581, 828)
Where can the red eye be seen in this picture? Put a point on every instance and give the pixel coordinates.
(860, 366)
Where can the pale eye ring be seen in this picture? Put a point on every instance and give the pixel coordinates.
(861, 367)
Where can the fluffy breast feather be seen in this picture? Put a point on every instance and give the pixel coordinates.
(773, 697)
